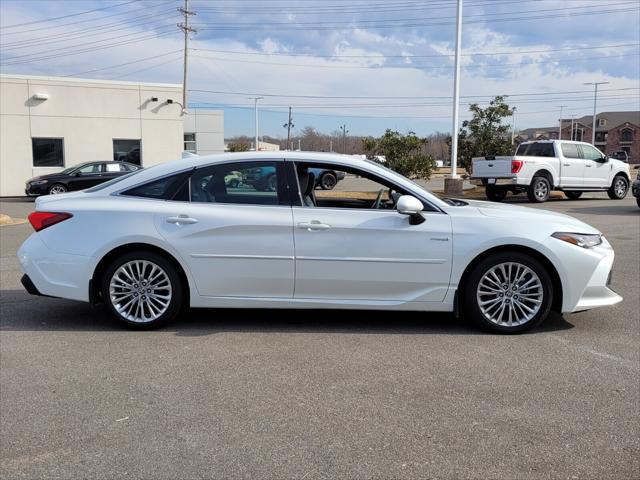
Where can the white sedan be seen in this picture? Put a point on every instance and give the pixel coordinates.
(180, 234)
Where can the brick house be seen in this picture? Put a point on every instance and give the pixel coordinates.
(615, 131)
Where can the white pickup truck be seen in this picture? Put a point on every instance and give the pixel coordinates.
(540, 166)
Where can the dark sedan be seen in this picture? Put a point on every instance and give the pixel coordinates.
(635, 188)
(78, 177)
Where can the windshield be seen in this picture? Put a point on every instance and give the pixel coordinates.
(74, 168)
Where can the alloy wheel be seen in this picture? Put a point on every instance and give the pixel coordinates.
(57, 189)
(510, 294)
(541, 190)
(620, 187)
(140, 291)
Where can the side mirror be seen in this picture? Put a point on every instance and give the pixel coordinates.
(604, 159)
(408, 205)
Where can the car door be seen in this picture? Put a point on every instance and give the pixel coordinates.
(236, 240)
(597, 171)
(87, 176)
(571, 165)
(346, 250)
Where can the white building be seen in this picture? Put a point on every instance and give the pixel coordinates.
(204, 131)
(51, 123)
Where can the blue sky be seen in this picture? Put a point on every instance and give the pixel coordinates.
(371, 65)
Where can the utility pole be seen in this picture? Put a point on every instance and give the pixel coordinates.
(186, 29)
(560, 128)
(344, 130)
(255, 108)
(288, 126)
(453, 184)
(595, 100)
(572, 117)
(513, 127)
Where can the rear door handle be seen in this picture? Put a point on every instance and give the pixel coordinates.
(314, 226)
(182, 220)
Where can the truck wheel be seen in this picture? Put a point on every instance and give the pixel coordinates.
(495, 194)
(573, 195)
(538, 191)
(619, 188)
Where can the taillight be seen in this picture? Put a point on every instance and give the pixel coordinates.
(42, 220)
(516, 166)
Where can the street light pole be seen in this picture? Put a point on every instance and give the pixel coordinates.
(456, 93)
(595, 101)
(255, 107)
(344, 137)
(560, 128)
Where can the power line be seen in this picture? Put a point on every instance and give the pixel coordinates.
(67, 16)
(123, 64)
(440, 55)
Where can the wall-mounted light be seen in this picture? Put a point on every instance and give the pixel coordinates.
(154, 99)
(169, 101)
(40, 96)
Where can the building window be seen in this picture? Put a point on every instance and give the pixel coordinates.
(48, 152)
(190, 142)
(601, 136)
(125, 150)
(602, 122)
(626, 135)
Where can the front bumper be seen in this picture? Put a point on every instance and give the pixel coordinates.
(585, 275)
(36, 190)
(635, 188)
(498, 181)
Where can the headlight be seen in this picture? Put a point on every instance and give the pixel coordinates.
(584, 240)
(39, 182)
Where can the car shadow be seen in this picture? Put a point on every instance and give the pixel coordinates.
(21, 312)
(619, 210)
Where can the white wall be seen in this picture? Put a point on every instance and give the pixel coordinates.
(208, 125)
(88, 114)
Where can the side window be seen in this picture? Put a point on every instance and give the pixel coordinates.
(570, 150)
(331, 187)
(247, 183)
(167, 188)
(114, 167)
(590, 153)
(92, 168)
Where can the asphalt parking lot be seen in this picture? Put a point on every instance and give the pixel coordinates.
(271, 394)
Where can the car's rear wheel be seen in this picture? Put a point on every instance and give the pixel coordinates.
(573, 195)
(142, 289)
(619, 188)
(508, 292)
(57, 188)
(539, 190)
(495, 194)
(328, 181)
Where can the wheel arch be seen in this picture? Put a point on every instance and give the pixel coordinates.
(105, 261)
(543, 172)
(621, 173)
(556, 306)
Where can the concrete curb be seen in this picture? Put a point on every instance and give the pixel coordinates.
(6, 220)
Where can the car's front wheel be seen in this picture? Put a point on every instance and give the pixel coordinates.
(57, 188)
(142, 289)
(508, 292)
(573, 195)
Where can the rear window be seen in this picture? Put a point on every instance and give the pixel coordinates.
(536, 149)
(172, 187)
(570, 150)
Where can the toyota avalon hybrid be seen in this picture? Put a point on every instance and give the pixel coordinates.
(178, 235)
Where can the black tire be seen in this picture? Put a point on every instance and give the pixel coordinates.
(328, 181)
(495, 194)
(470, 295)
(619, 188)
(573, 195)
(638, 201)
(539, 190)
(57, 188)
(177, 293)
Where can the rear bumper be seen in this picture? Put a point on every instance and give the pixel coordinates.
(498, 181)
(54, 274)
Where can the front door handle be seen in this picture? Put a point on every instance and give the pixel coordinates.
(566, 164)
(182, 220)
(314, 226)
(588, 166)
